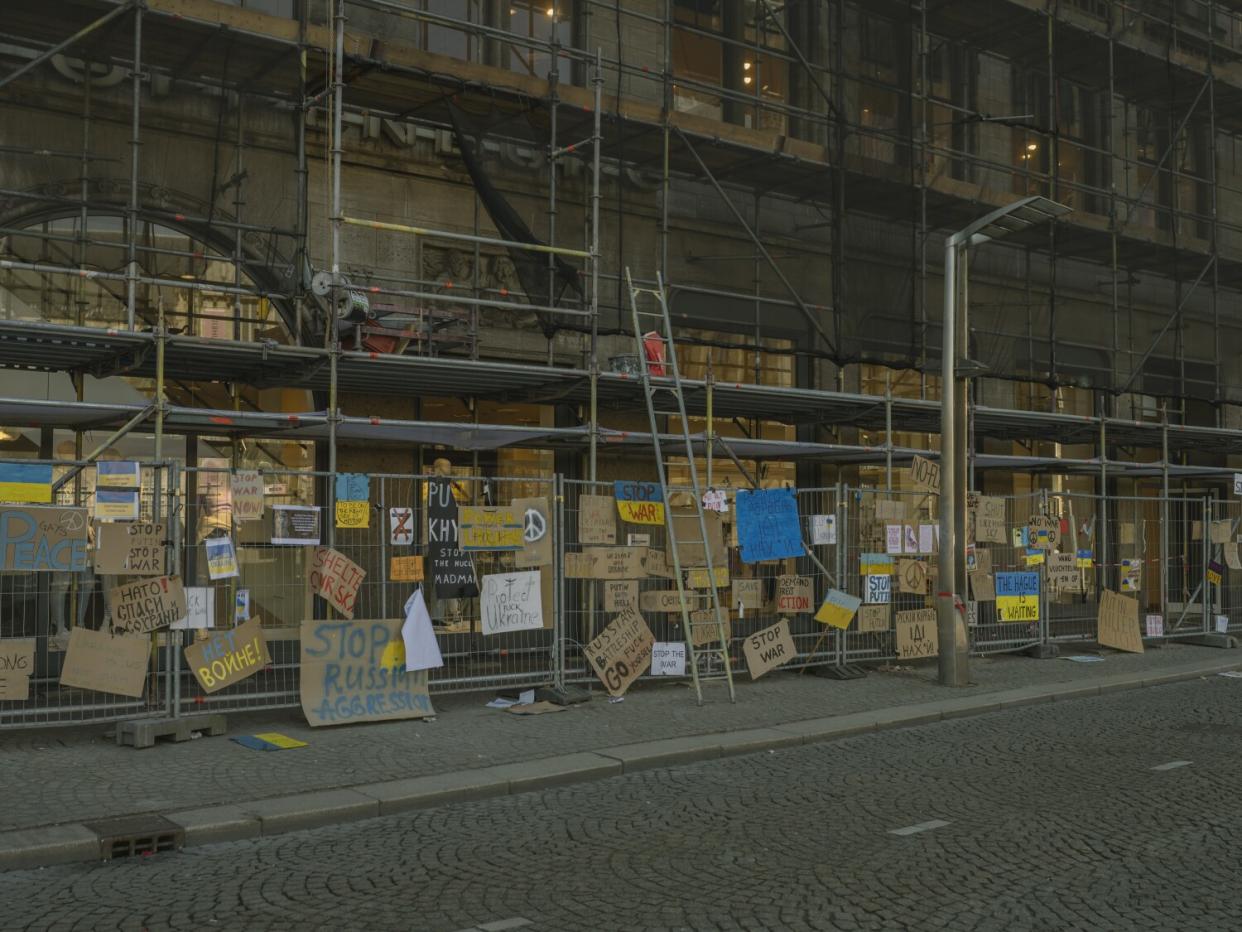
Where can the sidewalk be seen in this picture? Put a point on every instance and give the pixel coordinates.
(219, 790)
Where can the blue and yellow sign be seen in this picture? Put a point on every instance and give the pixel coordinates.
(25, 482)
(640, 502)
(1017, 596)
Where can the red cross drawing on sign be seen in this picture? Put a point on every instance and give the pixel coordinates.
(401, 521)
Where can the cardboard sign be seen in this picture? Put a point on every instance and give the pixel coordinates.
(400, 526)
(622, 652)
(747, 594)
(1043, 532)
(664, 601)
(405, 569)
(1063, 573)
(703, 630)
(246, 486)
(295, 525)
(617, 562)
(640, 502)
(886, 510)
(700, 578)
(990, 520)
(878, 590)
(838, 609)
(767, 649)
(142, 607)
(228, 656)
(917, 636)
(689, 536)
(657, 563)
(43, 539)
(925, 475)
(873, 619)
(823, 529)
(511, 602)
(489, 527)
(335, 578)
(912, 577)
(17, 664)
(1119, 623)
(106, 663)
(597, 519)
(537, 540)
(982, 588)
(1017, 596)
(794, 594)
(221, 558)
(26, 482)
(1219, 531)
(452, 571)
(620, 594)
(129, 549)
(579, 565)
(767, 525)
(352, 514)
(668, 658)
(354, 671)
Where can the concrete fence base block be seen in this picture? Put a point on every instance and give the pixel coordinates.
(1226, 641)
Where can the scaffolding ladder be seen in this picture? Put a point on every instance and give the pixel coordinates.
(710, 662)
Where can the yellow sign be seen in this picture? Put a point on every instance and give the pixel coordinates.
(699, 579)
(641, 512)
(489, 528)
(1035, 558)
(353, 514)
(405, 569)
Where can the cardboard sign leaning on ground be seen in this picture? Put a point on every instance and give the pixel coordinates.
(335, 578)
(1119, 622)
(34, 539)
(141, 607)
(767, 649)
(228, 656)
(106, 663)
(17, 664)
(622, 652)
(354, 671)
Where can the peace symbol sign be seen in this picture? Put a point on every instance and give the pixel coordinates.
(534, 525)
(72, 520)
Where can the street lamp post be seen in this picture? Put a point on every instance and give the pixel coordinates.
(956, 371)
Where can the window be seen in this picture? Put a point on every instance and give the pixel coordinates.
(540, 20)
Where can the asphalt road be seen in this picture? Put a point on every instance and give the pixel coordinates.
(1110, 813)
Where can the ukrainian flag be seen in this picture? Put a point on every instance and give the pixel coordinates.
(25, 482)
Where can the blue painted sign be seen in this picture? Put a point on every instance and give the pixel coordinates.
(639, 502)
(353, 487)
(43, 539)
(1017, 596)
(767, 525)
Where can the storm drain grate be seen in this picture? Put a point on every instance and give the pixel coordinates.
(134, 836)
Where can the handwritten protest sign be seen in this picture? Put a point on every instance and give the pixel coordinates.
(335, 578)
(1155, 626)
(912, 577)
(873, 618)
(878, 590)
(668, 658)
(703, 629)
(990, 520)
(622, 652)
(767, 525)
(767, 649)
(452, 571)
(597, 519)
(1044, 532)
(129, 549)
(1063, 573)
(617, 562)
(838, 609)
(43, 539)
(106, 663)
(352, 515)
(823, 529)
(700, 578)
(405, 569)
(141, 607)
(354, 671)
(116, 504)
(17, 664)
(657, 563)
(620, 594)
(200, 609)
(794, 594)
(747, 594)
(640, 502)
(1118, 622)
(511, 602)
(228, 656)
(1017, 596)
(400, 526)
(925, 475)
(981, 586)
(353, 487)
(690, 536)
(537, 540)
(247, 488)
(664, 600)
(489, 527)
(917, 636)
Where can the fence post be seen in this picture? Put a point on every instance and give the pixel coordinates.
(558, 581)
(172, 509)
(1205, 533)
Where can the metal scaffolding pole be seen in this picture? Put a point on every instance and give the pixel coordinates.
(333, 334)
(59, 47)
(597, 142)
(135, 148)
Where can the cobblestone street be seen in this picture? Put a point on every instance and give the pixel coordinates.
(1105, 813)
